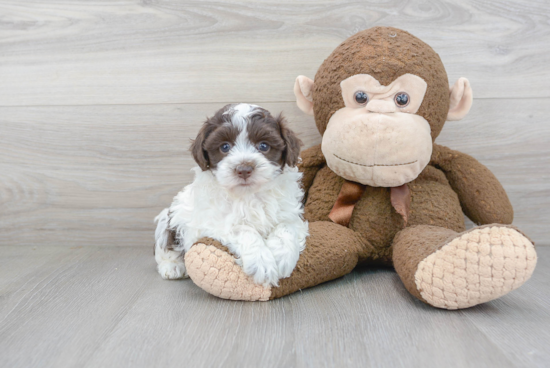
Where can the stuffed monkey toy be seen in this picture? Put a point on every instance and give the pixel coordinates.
(379, 191)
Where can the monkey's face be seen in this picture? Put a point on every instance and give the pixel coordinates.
(377, 139)
(379, 100)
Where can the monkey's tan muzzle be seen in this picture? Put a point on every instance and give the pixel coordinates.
(377, 149)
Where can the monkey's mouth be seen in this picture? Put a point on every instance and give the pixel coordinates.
(373, 165)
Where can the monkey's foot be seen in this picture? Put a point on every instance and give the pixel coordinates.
(214, 270)
(475, 267)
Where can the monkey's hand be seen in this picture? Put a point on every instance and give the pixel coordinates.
(481, 195)
(312, 161)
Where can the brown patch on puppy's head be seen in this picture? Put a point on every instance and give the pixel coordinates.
(246, 129)
(224, 132)
(292, 142)
(199, 154)
(284, 145)
(198, 146)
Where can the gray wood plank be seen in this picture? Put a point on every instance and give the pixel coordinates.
(129, 52)
(369, 319)
(106, 306)
(191, 327)
(522, 337)
(100, 174)
(22, 270)
(62, 311)
(355, 321)
(75, 318)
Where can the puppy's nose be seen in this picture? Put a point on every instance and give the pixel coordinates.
(244, 171)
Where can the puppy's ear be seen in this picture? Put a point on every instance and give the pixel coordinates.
(291, 154)
(199, 153)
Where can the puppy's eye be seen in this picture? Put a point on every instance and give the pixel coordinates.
(361, 97)
(264, 147)
(225, 147)
(402, 99)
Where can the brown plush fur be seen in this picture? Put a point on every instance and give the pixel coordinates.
(483, 200)
(376, 233)
(453, 183)
(414, 244)
(385, 53)
(332, 252)
(433, 203)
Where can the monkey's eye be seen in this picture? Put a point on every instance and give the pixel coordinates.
(361, 97)
(264, 147)
(225, 147)
(402, 99)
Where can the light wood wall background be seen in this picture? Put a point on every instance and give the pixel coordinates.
(99, 99)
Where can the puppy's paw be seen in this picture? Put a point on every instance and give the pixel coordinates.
(170, 263)
(287, 263)
(261, 265)
(285, 251)
(169, 270)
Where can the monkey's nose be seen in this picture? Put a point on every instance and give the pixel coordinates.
(244, 171)
(381, 107)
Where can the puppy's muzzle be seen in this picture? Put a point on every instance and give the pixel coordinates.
(244, 171)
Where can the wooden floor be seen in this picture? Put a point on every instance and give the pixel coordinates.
(98, 102)
(106, 307)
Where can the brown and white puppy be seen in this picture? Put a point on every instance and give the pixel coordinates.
(246, 194)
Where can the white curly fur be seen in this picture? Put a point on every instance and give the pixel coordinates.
(261, 223)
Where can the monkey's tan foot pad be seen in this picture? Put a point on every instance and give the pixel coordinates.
(477, 266)
(216, 272)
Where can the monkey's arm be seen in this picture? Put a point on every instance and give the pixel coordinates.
(481, 195)
(312, 161)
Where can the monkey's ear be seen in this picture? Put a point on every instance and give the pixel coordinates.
(461, 99)
(302, 91)
(291, 154)
(199, 154)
